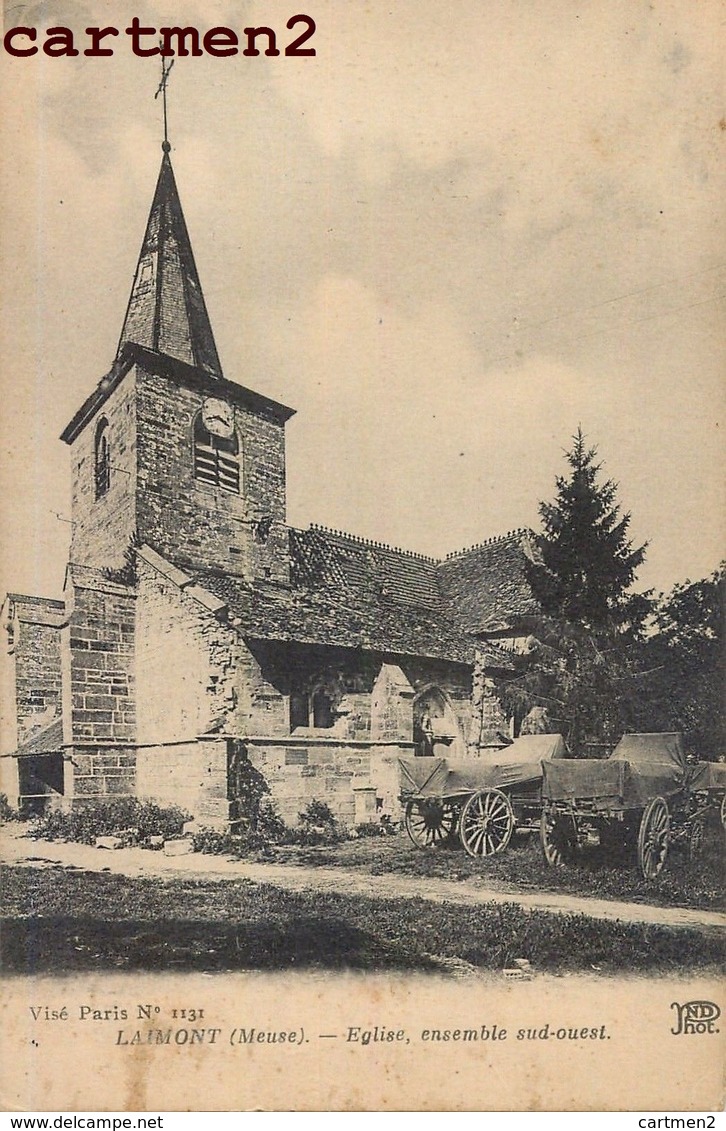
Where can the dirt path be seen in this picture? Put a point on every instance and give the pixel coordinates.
(135, 862)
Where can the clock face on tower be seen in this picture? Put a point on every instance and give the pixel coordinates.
(218, 418)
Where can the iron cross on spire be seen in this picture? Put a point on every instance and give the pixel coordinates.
(165, 72)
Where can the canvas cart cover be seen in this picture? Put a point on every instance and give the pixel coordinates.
(666, 748)
(641, 767)
(709, 775)
(417, 772)
(521, 762)
(514, 765)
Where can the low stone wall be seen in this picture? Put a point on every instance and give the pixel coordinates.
(357, 779)
(360, 781)
(102, 773)
(192, 775)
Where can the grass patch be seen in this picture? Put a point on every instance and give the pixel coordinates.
(522, 868)
(58, 920)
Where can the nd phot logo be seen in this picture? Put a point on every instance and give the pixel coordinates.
(695, 1017)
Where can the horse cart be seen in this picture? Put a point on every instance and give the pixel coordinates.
(708, 784)
(481, 801)
(644, 797)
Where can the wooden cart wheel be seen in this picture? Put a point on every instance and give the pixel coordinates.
(654, 838)
(557, 837)
(723, 812)
(430, 821)
(696, 837)
(487, 823)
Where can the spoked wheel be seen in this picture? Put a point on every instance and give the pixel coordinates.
(487, 823)
(723, 812)
(654, 838)
(557, 837)
(696, 837)
(430, 822)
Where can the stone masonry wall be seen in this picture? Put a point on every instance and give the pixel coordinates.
(391, 705)
(37, 662)
(199, 682)
(171, 668)
(30, 678)
(191, 523)
(101, 669)
(192, 775)
(488, 717)
(103, 528)
(317, 770)
(187, 664)
(103, 773)
(358, 756)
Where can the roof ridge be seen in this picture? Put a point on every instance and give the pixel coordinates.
(35, 597)
(371, 543)
(518, 532)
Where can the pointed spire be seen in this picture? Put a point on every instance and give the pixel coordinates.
(166, 311)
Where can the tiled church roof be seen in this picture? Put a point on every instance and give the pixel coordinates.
(333, 559)
(339, 618)
(485, 586)
(353, 593)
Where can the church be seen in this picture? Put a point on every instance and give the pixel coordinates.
(199, 633)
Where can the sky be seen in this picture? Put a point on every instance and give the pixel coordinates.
(453, 236)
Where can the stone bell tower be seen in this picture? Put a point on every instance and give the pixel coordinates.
(167, 451)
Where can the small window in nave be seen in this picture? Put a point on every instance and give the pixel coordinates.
(323, 716)
(299, 710)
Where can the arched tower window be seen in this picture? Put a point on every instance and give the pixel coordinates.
(216, 458)
(102, 458)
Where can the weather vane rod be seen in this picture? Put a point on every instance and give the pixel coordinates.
(165, 72)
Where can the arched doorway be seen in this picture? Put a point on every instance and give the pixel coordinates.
(435, 727)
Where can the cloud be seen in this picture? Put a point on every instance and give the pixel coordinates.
(404, 435)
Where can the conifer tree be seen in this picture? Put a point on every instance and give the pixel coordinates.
(588, 563)
(584, 660)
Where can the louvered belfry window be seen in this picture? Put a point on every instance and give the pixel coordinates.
(216, 458)
(102, 459)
